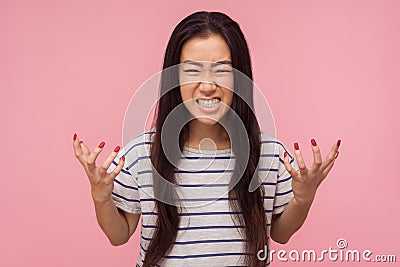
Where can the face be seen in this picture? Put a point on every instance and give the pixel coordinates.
(206, 78)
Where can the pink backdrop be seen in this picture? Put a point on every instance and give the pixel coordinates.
(329, 69)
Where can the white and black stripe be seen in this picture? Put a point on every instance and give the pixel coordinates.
(207, 235)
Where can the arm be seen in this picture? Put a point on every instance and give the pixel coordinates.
(284, 225)
(118, 225)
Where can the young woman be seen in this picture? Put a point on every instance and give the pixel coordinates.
(193, 192)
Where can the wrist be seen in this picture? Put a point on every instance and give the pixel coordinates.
(101, 200)
(303, 203)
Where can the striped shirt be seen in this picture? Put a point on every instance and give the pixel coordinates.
(207, 235)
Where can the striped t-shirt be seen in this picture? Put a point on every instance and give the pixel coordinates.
(207, 235)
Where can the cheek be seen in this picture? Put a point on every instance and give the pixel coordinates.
(225, 82)
(187, 91)
(228, 96)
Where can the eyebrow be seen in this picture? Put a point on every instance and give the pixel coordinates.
(212, 64)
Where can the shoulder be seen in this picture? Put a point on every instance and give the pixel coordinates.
(270, 144)
(139, 144)
(273, 146)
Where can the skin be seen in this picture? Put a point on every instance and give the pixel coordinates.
(205, 131)
(119, 225)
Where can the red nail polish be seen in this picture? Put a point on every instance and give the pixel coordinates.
(296, 146)
(285, 154)
(338, 142)
(117, 148)
(337, 154)
(313, 142)
(101, 145)
(80, 142)
(75, 136)
(123, 157)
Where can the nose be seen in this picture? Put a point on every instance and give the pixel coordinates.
(207, 87)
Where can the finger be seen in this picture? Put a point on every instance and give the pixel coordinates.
(331, 156)
(110, 159)
(288, 166)
(76, 146)
(317, 155)
(85, 149)
(117, 170)
(91, 160)
(300, 161)
(326, 171)
(328, 168)
(79, 154)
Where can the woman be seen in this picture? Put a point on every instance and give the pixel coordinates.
(187, 218)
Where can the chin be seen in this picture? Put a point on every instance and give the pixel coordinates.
(206, 121)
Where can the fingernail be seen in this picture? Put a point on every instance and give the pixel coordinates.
(80, 142)
(117, 148)
(296, 146)
(338, 142)
(313, 142)
(123, 157)
(101, 144)
(285, 154)
(75, 136)
(337, 154)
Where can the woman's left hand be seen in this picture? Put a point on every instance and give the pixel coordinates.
(305, 181)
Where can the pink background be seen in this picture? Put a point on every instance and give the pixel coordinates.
(329, 69)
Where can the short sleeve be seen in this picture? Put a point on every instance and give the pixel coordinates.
(283, 191)
(126, 192)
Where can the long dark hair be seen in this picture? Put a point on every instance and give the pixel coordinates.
(248, 209)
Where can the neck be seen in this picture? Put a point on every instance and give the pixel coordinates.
(208, 137)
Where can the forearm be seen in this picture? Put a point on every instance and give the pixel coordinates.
(112, 222)
(291, 219)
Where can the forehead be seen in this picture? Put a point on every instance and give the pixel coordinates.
(213, 49)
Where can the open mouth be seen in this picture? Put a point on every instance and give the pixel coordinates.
(208, 103)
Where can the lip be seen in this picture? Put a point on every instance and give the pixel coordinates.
(208, 98)
(209, 110)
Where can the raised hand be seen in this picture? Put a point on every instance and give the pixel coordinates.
(101, 182)
(305, 181)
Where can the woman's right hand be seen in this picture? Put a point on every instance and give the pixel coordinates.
(101, 182)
